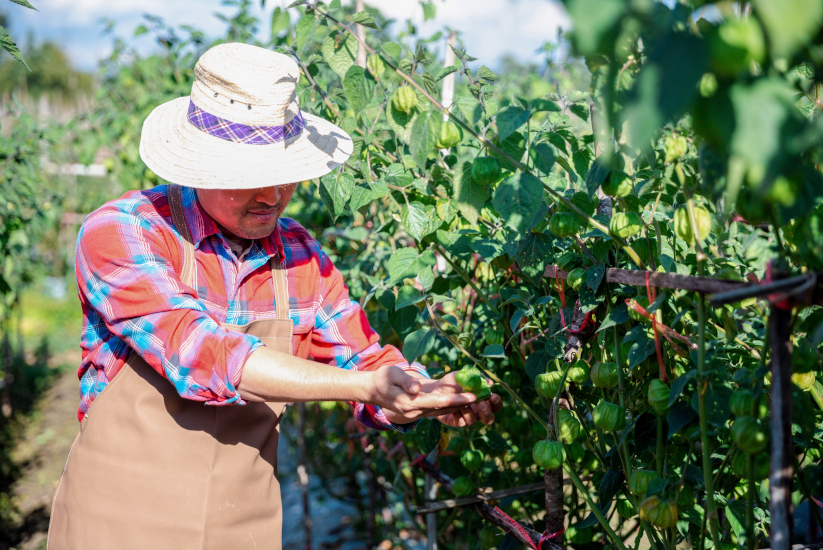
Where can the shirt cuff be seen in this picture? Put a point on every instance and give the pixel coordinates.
(234, 369)
(373, 416)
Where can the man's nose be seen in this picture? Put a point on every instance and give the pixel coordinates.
(268, 195)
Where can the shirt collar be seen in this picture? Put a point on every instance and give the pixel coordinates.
(201, 225)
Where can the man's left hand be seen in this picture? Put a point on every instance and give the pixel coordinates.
(459, 418)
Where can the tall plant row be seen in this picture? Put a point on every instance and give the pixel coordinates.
(479, 236)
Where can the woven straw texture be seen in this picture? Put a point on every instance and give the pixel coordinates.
(248, 85)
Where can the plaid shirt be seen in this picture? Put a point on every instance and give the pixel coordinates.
(129, 255)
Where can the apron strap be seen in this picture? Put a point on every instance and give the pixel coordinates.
(178, 216)
(281, 287)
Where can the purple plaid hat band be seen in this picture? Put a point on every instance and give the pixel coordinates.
(243, 133)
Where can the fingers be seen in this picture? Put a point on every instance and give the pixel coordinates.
(469, 415)
(409, 383)
(496, 402)
(484, 412)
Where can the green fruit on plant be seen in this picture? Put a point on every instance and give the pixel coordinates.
(639, 481)
(576, 278)
(660, 513)
(608, 416)
(473, 381)
(749, 434)
(486, 170)
(570, 428)
(495, 337)
(604, 375)
(675, 147)
(404, 99)
(462, 487)
(548, 454)
(625, 508)
(626, 224)
(741, 402)
(564, 224)
(683, 227)
(490, 537)
(579, 372)
(471, 459)
(804, 380)
(735, 44)
(740, 466)
(547, 384)
(636, 315)
(375, 65)
(585, 203)
(450, 135)
(617, 184)
(659, 396)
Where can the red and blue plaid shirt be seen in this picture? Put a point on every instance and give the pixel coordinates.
(129, 255)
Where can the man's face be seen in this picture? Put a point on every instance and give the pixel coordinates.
(246, 213)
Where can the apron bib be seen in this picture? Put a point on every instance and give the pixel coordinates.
(150, 469)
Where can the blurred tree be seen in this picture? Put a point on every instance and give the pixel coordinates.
(50, 73)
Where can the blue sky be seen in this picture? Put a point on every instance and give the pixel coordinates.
(490, 28)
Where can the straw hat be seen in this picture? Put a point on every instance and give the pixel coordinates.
(241, 128)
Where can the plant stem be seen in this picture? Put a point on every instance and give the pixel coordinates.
(750, 504)
(595, 510)
(466, 278)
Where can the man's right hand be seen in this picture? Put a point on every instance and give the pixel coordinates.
(394, 389)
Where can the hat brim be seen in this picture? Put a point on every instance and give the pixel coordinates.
(179, 152)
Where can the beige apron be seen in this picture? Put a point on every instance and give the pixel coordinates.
(150, 469)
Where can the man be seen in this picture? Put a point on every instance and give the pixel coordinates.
(201, 308)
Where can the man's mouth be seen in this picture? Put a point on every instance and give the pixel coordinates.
(263, 216)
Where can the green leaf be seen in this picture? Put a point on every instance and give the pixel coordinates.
(598, 172)
(417, 220)
(594, 276)
(544, 105)
(429, 11)
(407, 263)
(365, 18)
(509, 120)
(305, 28)
(297, 3)
(486, 74)
(789, 23)
(340, 51)
(418, 343)
(678, 417)
(533, 253)
(494, 350)
(617, 316)
(364, 194)
(408, 295)
(517, 199)
(588, 299)
(336, 190)
(444, 72)
(536, 363)
(495, 441)
(488, 248)
(736, 514)
(596, 23)
(358, 85)
(424, 134)
(392, 50)
(25, 3)
(468, 195)
(280, 21)
(427, 435)
(639, 351)
(543, 155)
(718, 398)
(9, 45)
(140, 30)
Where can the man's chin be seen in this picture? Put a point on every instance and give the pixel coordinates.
(259, 232)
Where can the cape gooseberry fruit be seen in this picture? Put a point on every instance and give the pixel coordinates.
(639, 481)
(462, 486)
(564, 224)
(617, 184)
(472, 380)
(749, 435)
(659, 396)
(404, 99)
(740, 466)
(608, 416)
(683, 227)
(450, 135)
(741, 402)
(804, 380)
(471, 459)
(486, 170)
(604, 375)
(636, 315)
(576, 278)
(626, 224)
(490, 537)
(660, 513)
(579, 372)
(548, 383)
(376, 66)
(495, 337)
(570, 428)
(548, 454)
(675, 147)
